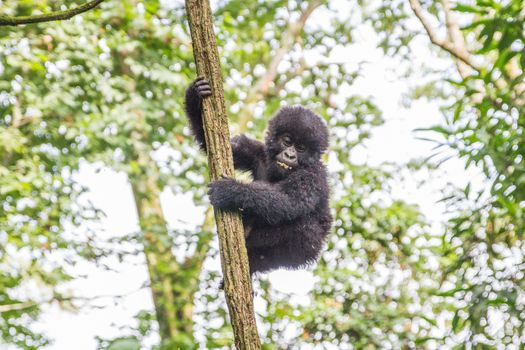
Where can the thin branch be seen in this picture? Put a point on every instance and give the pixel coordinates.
(48, 17)
(18, 306)
(457, 47)
(458, 52)
(458, 42)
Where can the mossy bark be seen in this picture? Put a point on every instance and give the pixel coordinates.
(234, 258)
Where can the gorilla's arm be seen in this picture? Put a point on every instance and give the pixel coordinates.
(193, 105)
(271, 203)
(247, 153)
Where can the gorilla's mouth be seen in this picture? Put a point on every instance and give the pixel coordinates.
(284, 165)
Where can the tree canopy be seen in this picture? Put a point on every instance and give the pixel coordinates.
(105, 88)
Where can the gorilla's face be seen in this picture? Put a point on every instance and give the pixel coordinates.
(296, 138)
(291, 152)
(287, 154)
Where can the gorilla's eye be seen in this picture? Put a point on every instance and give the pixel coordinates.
(300, 148)
(287, 140)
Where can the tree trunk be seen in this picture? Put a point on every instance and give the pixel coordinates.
(172, 285)
(234, 259)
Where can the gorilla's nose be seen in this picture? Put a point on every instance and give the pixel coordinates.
(290, 154)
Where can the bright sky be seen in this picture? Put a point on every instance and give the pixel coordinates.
(394, 141)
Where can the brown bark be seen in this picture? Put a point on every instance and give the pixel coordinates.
(234, 259)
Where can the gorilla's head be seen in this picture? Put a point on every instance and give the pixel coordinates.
(296, 138)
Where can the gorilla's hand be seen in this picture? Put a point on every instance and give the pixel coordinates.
(237, 141)
(222, 193)
(244, 148)
(202, 86)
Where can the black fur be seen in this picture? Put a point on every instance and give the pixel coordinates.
(285, 211)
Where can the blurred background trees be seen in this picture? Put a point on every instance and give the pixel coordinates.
(105, 90)
(482, 95)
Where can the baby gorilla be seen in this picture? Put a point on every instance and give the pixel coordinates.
(285, 209)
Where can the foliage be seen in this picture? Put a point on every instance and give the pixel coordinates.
(482, 250)
(107, 87)
(486, 234)
(63, 103)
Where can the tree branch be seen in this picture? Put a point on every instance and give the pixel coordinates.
(17, 306)
(48, 17)
(454, 48)
(456, 37)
